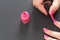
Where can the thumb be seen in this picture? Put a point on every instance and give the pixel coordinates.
(54, 7)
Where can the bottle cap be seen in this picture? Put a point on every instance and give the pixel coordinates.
(25, 17)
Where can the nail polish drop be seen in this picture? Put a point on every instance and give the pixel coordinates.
(25, 17)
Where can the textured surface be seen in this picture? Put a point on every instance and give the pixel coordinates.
(11, 27)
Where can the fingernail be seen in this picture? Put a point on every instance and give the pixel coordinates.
(52, 17)
(54, 21)
(45, 29)
(51, 12)
(45, 36)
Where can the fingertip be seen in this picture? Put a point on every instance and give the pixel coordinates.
(54, 7)
(45, 29)
(45, 36)
(42, 9)
(45, 13)
(51, 11)
(57, 23)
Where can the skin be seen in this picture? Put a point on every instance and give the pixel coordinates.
(38, 4)
(54, 7)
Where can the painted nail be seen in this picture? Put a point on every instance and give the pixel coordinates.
(51, 12)
(25, 17)
(54, 21)
(45, 29)
(52, 17)
(45, 36)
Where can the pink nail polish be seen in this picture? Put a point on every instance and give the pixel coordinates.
(52, 17)
(45, 36)
(54, 21)
(45, 29)
(51, 12)
(25, 17)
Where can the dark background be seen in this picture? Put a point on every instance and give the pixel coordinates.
(11, 27)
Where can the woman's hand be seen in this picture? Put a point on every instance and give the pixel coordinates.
(54, 7)
(51, 33)
(38, 4)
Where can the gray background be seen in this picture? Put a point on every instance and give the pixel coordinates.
(11, 27)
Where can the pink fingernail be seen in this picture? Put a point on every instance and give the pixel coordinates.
(51, 12)
(45, 29)
(45, 36)
(55, 21)
(52, 17)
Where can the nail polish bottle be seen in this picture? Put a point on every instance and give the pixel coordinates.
(25, 17)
